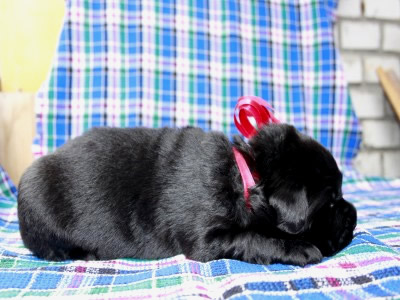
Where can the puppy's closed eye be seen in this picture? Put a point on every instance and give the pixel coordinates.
(335, 197)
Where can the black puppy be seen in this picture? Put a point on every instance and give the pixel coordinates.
(155, 193)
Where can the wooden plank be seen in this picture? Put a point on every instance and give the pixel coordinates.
(391, 86)
(17, 130)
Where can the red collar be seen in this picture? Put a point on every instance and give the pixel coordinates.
(247, 177)
(260, 111)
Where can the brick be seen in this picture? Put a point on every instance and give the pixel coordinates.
(352, 67)
(391, 164)
(372, 62)
(382, 9)
(391, 37)
(369, 163)
(349, 8)
(336, 35)
(378, 134)
(368, 102)
(360, 35)
(389, 113)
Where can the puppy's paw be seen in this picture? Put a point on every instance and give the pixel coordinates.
(301, 253)
(336, 243)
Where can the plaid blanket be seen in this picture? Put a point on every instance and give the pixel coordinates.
(179, 62)
(185, 62)
(368, 267)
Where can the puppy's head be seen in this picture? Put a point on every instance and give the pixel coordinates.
(298, 176)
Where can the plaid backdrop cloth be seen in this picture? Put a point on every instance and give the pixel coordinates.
(185, 62)
(176, 63)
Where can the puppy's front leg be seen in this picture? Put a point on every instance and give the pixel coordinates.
(255, 248)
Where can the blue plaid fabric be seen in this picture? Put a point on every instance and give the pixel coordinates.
(178, 63)
(368, 268)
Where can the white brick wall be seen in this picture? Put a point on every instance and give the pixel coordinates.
(352, 68)
(391, 161)
(372, 62)
(380, 134)
(382, 9)
(349, 8)
(368, 36)
(369, 163)
(391, 37)
(374, 97)
(354, 35)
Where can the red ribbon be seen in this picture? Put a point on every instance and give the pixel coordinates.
(255, 107)
(259, 109)
(245, 173)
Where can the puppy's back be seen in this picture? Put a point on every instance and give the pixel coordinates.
(101, 190)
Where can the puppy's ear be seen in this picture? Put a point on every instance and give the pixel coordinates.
(291, 207)
(272, 145)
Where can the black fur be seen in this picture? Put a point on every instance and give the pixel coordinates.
(155, 193)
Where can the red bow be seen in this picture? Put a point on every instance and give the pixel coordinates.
(255, 107)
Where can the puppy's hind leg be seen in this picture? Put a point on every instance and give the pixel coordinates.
(46, 244)
(54, 248)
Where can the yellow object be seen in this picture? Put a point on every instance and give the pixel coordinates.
(391, 86)
(17, 129)
(29, 32)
